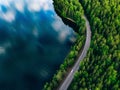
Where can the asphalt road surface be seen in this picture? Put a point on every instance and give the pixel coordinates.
(75, 68)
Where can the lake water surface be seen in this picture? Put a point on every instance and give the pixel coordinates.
(33, 43)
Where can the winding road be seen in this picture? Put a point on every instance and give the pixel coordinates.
(75, 68)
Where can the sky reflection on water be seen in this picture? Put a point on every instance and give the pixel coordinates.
(33, 43)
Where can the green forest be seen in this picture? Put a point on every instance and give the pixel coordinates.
(100, 69)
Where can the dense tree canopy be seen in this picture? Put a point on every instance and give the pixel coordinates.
(100, 70)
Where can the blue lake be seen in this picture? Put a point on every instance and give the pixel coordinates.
(33, 43)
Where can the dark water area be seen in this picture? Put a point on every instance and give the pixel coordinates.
(33, 43)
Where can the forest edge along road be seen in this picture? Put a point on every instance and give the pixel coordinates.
(75, 68)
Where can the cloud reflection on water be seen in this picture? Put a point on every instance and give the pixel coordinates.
(33, 43)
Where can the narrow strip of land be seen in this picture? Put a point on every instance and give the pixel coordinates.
(75, 68)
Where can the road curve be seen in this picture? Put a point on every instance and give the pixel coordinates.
(75, 68)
